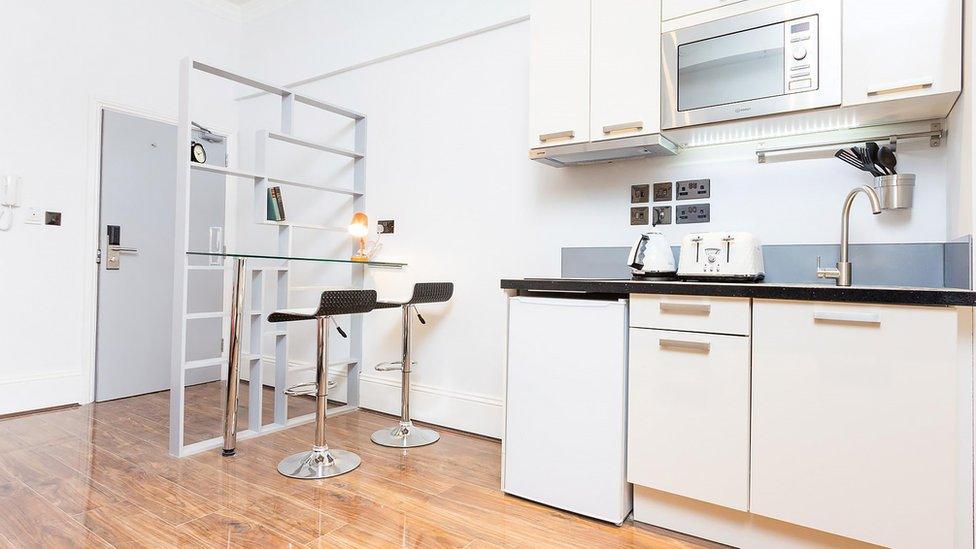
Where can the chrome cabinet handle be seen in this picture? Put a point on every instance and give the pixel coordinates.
(686, 308)
(909, 85)
(568, 134)
(679, 345)
(635, 126)
(854, 318)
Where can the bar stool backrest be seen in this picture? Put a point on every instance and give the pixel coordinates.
(346, 302)
(431, 292)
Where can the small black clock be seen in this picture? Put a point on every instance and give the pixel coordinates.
(197, 153)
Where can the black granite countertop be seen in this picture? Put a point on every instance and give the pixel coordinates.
(798, 292)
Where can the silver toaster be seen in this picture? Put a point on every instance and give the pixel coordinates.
(723, 256)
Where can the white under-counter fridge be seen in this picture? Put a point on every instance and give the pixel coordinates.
(565, 442)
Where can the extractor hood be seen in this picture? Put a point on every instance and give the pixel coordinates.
(604, 151)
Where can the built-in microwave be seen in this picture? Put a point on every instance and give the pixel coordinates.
(775, 60)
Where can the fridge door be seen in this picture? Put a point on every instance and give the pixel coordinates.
(566, 407)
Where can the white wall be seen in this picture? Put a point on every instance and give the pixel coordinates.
(448, 162)
(59, 57)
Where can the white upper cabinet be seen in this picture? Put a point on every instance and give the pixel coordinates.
(625, 69)
(900, 49)
(559, 73)
(854, 425)
(680, 8)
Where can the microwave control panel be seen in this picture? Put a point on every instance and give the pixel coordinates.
(800, 45)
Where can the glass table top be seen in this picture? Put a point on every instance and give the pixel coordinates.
(298, 258)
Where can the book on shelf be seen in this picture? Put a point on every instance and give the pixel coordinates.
(276, 207)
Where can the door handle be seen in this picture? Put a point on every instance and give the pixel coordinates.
(680, 345)
(113, 259)
(546, 137)
(123, 249)
(634, 126)
(686, 308)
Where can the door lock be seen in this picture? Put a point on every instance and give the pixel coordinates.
(115, 251)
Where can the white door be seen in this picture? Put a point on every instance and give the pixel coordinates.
(879, 68)
(854, 420)
(559, 73)
(138, 172)
(625, 91)
(688, 430)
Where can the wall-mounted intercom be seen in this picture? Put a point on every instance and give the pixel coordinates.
(9, 199)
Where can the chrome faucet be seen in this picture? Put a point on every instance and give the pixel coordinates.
(842, 274)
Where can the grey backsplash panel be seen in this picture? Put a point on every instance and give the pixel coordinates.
(928, 265)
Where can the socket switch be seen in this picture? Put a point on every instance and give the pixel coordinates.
(639, 215)
(662, 192)
(692, 213)
(385, 226)
(694, 189)
(639, 194)
(661, 215)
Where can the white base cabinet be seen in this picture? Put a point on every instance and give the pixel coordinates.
(689, 415)
(854, 420)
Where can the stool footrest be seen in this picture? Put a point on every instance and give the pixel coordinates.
(307, 389)
(389, 366)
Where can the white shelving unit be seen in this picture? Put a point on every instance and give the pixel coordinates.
(260, 274)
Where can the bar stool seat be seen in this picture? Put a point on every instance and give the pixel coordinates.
(322, 461)
(406, 434)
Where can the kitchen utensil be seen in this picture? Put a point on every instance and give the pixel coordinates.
(733, 257)
(851, 157)
(869, 167)
(651, 255)
(887, 160)
(872, 151)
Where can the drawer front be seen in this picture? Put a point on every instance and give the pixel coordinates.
(688, 415)
(713, 315)
(854, 419)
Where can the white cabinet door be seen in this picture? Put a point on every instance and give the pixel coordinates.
(625, 91)
(854, 420)
(688, 423)
(559, 73)
(912, 49)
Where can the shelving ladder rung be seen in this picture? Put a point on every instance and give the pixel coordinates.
(313, 145)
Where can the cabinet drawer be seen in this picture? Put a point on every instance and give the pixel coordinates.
(688, 424)
(714, 315)
(854, 419)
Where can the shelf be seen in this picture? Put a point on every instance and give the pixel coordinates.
(314, 187)
(299, 258)
(225, 171)
(198, 316)
(205, 267)
(310, 226)
(313, 145)
(195, 364)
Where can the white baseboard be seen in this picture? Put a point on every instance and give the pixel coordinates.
(462, 411)
(40, 391)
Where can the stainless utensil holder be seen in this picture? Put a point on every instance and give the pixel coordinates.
(895, 191)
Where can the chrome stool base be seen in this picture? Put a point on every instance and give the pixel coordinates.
(405, 435)
(319, 463)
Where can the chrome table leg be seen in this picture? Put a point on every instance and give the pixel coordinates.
(233, 360)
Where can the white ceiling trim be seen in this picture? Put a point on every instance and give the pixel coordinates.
(222, 8)
(255, 9)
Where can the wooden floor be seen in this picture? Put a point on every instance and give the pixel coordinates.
(99, 476)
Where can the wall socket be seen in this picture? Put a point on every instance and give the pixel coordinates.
(639, 215)
(693, 189)
(692, 213)
(662, 214)
(639, 194)
(385, 226)
(662, 192)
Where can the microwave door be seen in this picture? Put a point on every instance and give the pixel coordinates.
(734, 68)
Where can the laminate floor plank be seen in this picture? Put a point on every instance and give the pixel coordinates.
(101, 476)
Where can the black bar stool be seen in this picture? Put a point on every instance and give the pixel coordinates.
(405, 435)
(321, 461)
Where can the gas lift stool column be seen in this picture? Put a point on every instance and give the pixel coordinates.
(321, 461)
(406, 435)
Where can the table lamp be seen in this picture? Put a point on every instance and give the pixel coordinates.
(359, 228)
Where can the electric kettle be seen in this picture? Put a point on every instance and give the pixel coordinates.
(651, 255)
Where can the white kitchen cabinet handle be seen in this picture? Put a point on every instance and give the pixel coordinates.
(635, 126)
(680, 345)
(873, 319)
(568, 134)
(898, 87)
(686, 308)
